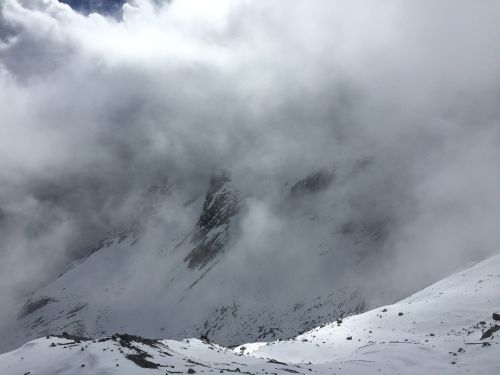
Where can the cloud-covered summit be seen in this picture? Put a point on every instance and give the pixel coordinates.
(95, 109)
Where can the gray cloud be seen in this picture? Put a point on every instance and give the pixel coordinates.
(399, 99)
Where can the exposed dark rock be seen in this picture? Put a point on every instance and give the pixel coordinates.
(313, 183)
(31, 306)
(140, 359)
(277, 362)
(196, 363)
(289, 370)
(212, 230)
(205, 338)
(77, 308)
(75, 338)
(127, 340)
(270, 332)
(490, 331)
(496, 316)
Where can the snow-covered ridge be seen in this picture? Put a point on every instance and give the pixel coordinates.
(196, 263)
(449, 327)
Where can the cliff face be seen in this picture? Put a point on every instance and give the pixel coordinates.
(228, 262)
(212, 232)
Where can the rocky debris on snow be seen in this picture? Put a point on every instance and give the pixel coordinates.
(397, 343)
(139, 356)
(490, 331)
(75, 338)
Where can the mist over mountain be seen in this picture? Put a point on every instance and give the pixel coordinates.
(269, 151)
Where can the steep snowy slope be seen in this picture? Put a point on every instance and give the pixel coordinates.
(203, 266)
(448, 323)
(447, 328)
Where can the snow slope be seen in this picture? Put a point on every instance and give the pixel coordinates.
(446, 328)
(200, 260)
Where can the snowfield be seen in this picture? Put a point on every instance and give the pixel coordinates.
(446, 328)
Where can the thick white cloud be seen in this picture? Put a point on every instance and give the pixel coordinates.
(93, 109)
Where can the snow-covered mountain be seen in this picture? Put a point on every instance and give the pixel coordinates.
(451, 327)
(243, 172)
(200, 261)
